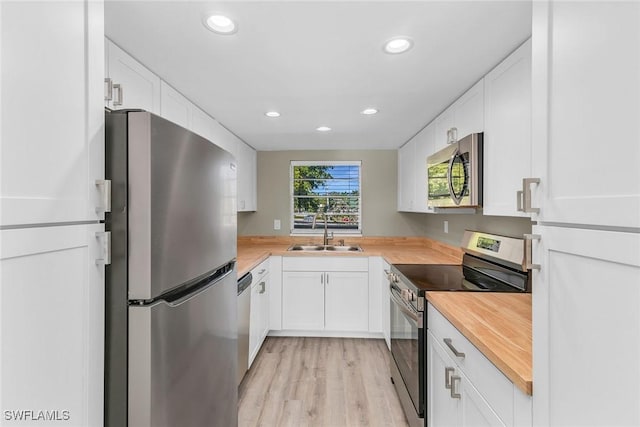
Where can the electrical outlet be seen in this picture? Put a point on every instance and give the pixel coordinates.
(276, 224)
(446, 226)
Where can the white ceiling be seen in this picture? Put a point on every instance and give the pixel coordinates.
(321, 62)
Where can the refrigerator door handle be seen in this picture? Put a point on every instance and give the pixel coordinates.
(189, 290)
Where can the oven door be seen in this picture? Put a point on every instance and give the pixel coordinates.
(407, 348)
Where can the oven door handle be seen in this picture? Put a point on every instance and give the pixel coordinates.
(416, 317)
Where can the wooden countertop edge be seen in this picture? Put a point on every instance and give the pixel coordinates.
(523, 381)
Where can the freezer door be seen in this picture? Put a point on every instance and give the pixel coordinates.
(181, 205)
(182, 360)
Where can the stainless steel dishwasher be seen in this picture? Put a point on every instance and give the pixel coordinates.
(244, 308)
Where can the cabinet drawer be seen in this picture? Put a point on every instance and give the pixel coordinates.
(497, 389)
(260, 271)
(346, 263)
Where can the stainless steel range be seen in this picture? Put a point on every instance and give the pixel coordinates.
(491, 263)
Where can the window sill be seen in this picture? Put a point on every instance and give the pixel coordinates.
(321, 233)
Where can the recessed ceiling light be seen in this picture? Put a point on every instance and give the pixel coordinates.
(398, 45)
(323, 129)
(368, 111)
(272, 114)
(220, 24)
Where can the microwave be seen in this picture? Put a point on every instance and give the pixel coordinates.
(454, 174)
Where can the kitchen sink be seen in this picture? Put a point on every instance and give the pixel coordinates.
(314, 248)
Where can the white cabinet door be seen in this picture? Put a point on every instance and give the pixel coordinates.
(507, 133)
(275, 293)
(139, 87)
(424, 147)
(585, 112)
(52, 124)
(443, 123)
(474, 409)
(258, 316)
(386, 305)
(468, 111)
(52, 323)
(346, 301)
(406, 176)
(442, 409)
(375, 295)
(201, 123)
(174, 106)
(303, 300)
(246, 158)
(224, 139)
(263, 330)
(586, 328)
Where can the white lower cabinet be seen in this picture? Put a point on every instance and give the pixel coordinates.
(586, 327)
(259, 311)
(468, 390)
(386, 304)
(52, 325)
(325, 294)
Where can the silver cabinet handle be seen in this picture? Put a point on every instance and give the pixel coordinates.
(104, 186)
(322, 278)
(118, 101)
(262, 271)
(528, 261)
(108, 89)
(452, 135)
(327, 278)
(263, 286)
(447, 377)
(526, 195)
(519, 207)
(454, 393)
(447, 341)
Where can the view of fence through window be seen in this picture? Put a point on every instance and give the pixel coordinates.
(326, 191)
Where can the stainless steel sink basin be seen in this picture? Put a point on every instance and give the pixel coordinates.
(314, 248)
(343, 248)
(306, 248)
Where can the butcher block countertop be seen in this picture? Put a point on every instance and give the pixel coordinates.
(396, 250)
(498, 324)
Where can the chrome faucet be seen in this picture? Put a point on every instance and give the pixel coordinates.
(328, 235)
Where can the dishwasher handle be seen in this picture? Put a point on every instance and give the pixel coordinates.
(244, 282)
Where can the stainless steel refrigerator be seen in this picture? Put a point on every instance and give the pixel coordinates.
(171, 346)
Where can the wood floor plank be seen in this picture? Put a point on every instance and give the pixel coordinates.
(319, 382)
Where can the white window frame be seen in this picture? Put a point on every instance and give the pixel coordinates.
(335, 231)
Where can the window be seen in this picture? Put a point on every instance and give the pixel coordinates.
(325, 192)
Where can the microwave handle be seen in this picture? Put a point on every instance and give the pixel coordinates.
(455, 199)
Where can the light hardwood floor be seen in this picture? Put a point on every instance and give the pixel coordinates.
(332, 382)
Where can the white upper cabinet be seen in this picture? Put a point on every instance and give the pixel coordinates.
(174, 106)
(463, 117)
(425, 145)
(406, 176)
(52, 130)
(246, 158)
(586, 109)
(133, 85)
(507, 133)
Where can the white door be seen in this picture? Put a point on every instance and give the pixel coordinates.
(406, 176)
(52, 130)
(507, 133)
(475, 411)
(303, 300)
(468, 111)
(265, 285)
(52, 324)
(586, 328)
(174, 106)
(586, 104)
(443, 124)
(442, 409)
(425, 144)
(346, 301)
(138, 86)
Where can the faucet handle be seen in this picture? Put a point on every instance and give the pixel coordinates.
(341, 242)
